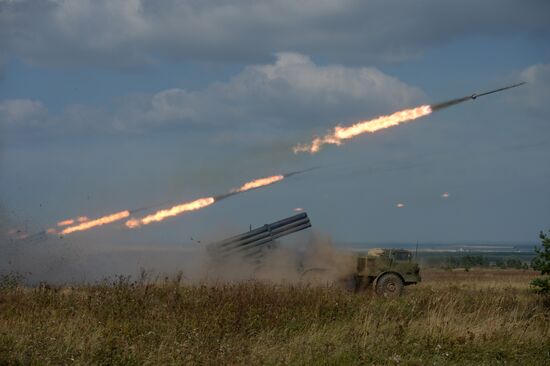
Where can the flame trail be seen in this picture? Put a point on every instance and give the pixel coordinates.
(97, 222)
(170, 212)
(200, 203)
(341, 133)
(84, 223)
(71, 222)
(65, 222)
(258, 183)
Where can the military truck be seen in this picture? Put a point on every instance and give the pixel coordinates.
(387, 271)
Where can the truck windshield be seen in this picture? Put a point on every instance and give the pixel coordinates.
(401, 256)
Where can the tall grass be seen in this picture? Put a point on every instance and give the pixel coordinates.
(448, 319)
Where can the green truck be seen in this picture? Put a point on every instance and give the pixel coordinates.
(387, 271)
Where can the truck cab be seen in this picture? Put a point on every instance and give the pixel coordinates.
(387, 270)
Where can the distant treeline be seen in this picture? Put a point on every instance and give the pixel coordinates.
(469, 261)
(460, 260)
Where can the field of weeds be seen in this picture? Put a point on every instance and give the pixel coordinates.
(476, 317)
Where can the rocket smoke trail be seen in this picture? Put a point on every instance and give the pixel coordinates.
(341, 133)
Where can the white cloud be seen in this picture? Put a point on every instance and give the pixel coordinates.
(292, 91)
(138, 32)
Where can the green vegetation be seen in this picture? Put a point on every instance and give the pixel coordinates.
(542, 263)
(472, 260)
(469, 260)
(476, 317)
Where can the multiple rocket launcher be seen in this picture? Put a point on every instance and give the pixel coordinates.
(336, 137)
(253, 243)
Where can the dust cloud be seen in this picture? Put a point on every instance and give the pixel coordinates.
(311, 258)
(306, 257)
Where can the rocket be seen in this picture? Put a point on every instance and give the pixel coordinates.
(474, 96)
(439, 106)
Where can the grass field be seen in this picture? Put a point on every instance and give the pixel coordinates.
(477, 317)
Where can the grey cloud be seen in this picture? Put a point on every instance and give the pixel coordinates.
(133, 33)
(31, 117)
(537, 92)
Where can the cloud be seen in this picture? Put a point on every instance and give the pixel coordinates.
(291, 92)
(32, 118)
(537, 93)
(134, 33)
(22, 112)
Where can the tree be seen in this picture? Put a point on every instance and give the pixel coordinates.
(542, 263)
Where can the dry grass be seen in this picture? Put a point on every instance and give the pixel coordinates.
(478, 278)
(476, 317)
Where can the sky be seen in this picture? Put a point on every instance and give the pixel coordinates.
(120, 104)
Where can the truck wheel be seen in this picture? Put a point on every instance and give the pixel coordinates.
(389, 285)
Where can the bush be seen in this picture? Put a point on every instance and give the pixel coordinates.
(541, 285)
(10, 281)
(542, 263)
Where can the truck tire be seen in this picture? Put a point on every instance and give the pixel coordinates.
(389, 285)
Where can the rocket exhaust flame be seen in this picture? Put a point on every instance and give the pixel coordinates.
(170, 212)
(70, 222)
(84, 223)
(200, 203)
(258, 183)
(65, 222)
(97, 222)
(340, 133)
